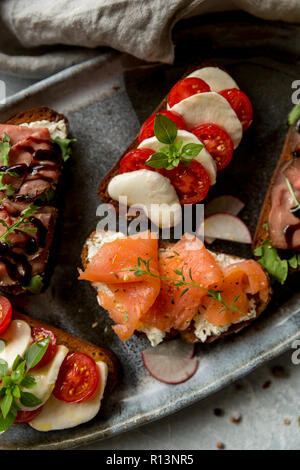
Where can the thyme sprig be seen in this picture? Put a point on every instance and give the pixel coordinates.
(143, 269)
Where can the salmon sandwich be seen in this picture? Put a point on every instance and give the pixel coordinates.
(168, 289)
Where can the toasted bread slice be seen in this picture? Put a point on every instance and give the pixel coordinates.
(114, 171)
(75, 344)
(188, 335)
(34, 115)
(261, 234)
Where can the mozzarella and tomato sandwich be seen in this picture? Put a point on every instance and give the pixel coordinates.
(34, 146)
(277, 238)
(49, 378)
(169, 289)
(181, 147)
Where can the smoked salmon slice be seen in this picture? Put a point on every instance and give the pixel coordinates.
(125, 295)
(172, 308)
(240, 279)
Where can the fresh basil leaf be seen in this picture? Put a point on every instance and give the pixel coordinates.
(35, 352)
(165, 150)
(17, 361)
(6, 381)
(158, 160)
(5, 404)
(191, 150)
(165, 129)
(2, 344)
(29, 400)
(16, 391)
(5, 149)
(17, 375)
(35, 285)
(178, 145)
(29, 381)
(5, 423)
(3, 368)
(65, 147)
(271, 261)
(294, 114)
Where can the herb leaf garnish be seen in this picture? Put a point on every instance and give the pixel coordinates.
(11, 389)
(5, 149)
(25, 214)
(170, 156)
(294, 114)
(143, 269)
(65, 147)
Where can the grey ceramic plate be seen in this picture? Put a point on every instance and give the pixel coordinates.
(105, 106)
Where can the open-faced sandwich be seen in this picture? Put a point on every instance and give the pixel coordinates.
(176, 156)
(33, 148)
(277, 238)
(169, 289)
(49, 378)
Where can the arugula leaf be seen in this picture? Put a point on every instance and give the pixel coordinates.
(6, 403)
(35, 285)
(165, 129)
(28, 381)
(5, 423)
(5, 149)
(25, 214)
(65, 147)
(271, 261)
(35, 352)
(293, 261)
(294, 114)
(2, 344)
(3, 368)
(30, 400)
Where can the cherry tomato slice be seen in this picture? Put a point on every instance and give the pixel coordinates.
(185, 88)
(40, 333)
(78, 378)
(217, 142)
(136, 160)
(241, 104)
(147, 129)
(27, 416)
(5, 314)
(190, 182)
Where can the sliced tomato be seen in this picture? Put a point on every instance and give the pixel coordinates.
(241, 104)
(27, 416)
(217, 142)
(147, 129)
(41, 333)
(78, 378)
(190, 182)
(185, 88)
(5, 314)
(136, 160)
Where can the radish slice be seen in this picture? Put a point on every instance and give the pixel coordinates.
(229, 204)
(171, 362)
(227, 227)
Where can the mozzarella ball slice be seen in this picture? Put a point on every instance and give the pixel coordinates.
(210, 108)
(150, 191)
(216, 78)
(58, 414)
(46, 377)
(18, 338)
